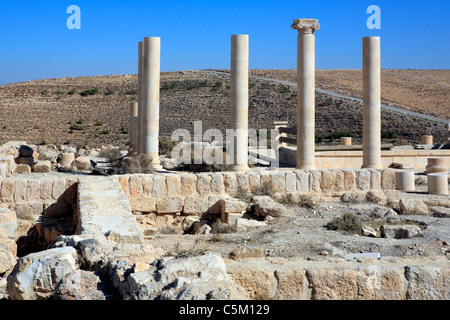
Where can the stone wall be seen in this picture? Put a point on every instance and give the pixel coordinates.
(195, 194)
(40, 203)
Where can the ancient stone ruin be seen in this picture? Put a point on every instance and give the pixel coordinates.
(350, 223)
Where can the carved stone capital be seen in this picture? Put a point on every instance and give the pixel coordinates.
(306, 26)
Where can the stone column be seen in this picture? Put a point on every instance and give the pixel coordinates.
(404, 180)
(346, 141)
(150, 112)
(306, 92)
(140, 100)
(437, 183)
(133, 128)
(426, 139)
(371, 103)
(239, 100)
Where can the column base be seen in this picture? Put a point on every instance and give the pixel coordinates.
(240, 167)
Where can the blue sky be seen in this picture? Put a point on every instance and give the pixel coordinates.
(35, 42)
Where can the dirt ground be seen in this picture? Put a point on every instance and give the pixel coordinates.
(61, 111)
(302, 234)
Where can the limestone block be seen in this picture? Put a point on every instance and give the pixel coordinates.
(7, 258)
(46, 189)
(278, 182)
(123, 181)
(302, 181)
(135, 185)
(269, 208)
(143, 204)
(243, 224)
(243, 182)
(388, 179)
(230, 183)
(217, 185)
(400, 231)
(173, 185)
(195, 205)
(427, 282)
(20, 190)
(33, 189)
(332, 283)
(23, 168)
(328, 180)
(254, 180)
(188, 185)
(81, 285)
(170, 205)
(375, 179)
(214, 204)
(82, 163)
(413, 207)
(291, 283)
(363, 179)
(42, 166)
(339, 184)
(159, 186)
(232, 206)
(204, 184)
(29, 210)
(315, 180)
(349, 180)
(36, 275)
(259, 282)
(8, 224)
(230, 218)
(377, 197)
(380, 283)
(66, 160)
(7, 190)
(291, 182)
(59, 187)
(147, 184)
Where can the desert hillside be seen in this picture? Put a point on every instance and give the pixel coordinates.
(94, 110)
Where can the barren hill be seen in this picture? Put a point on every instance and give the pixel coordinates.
(94, 110)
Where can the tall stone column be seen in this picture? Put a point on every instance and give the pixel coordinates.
(371, 103)
(239, 100)
(140, 100)
(133, 128)
(150, 124)
(306, 92)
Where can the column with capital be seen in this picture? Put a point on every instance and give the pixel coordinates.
(239, 100)
(371, 103)
(306, 92)
(132, 149)
(150, 96)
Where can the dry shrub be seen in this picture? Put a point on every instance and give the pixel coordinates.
(348, 222)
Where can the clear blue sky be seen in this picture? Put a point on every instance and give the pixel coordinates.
(36, 44)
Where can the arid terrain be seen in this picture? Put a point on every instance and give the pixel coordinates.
(94, 110)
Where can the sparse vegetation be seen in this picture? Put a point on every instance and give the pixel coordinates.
(89, 92)
(348, 222)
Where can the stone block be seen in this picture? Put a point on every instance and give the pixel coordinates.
(427, 282)
(375, 180)
(339, 184)
(143, 204)
(217, 185)
(42, 166)
(328, 180)
(315, 180)
(173, 185)
(380, 283)
(135, 185)
(195, 205)
(33, 189)
(123, 181)
(413, 207)
(59, 187)
(302, 181)
(349, 180)
(147, 184)
(363, 179)
(291, 283)
(188, 185)
(170, 205)
(254, 180)
(332, 283)
(230, 183)
(388, 179)
(214, 204)
(159, 186)
(26, 160)
(23, 168)
(278, 182)
(400, 231)
(7, 190)
(232, 206)
(20, 190)
(291, 182)
(243, 182)
(204, 184)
